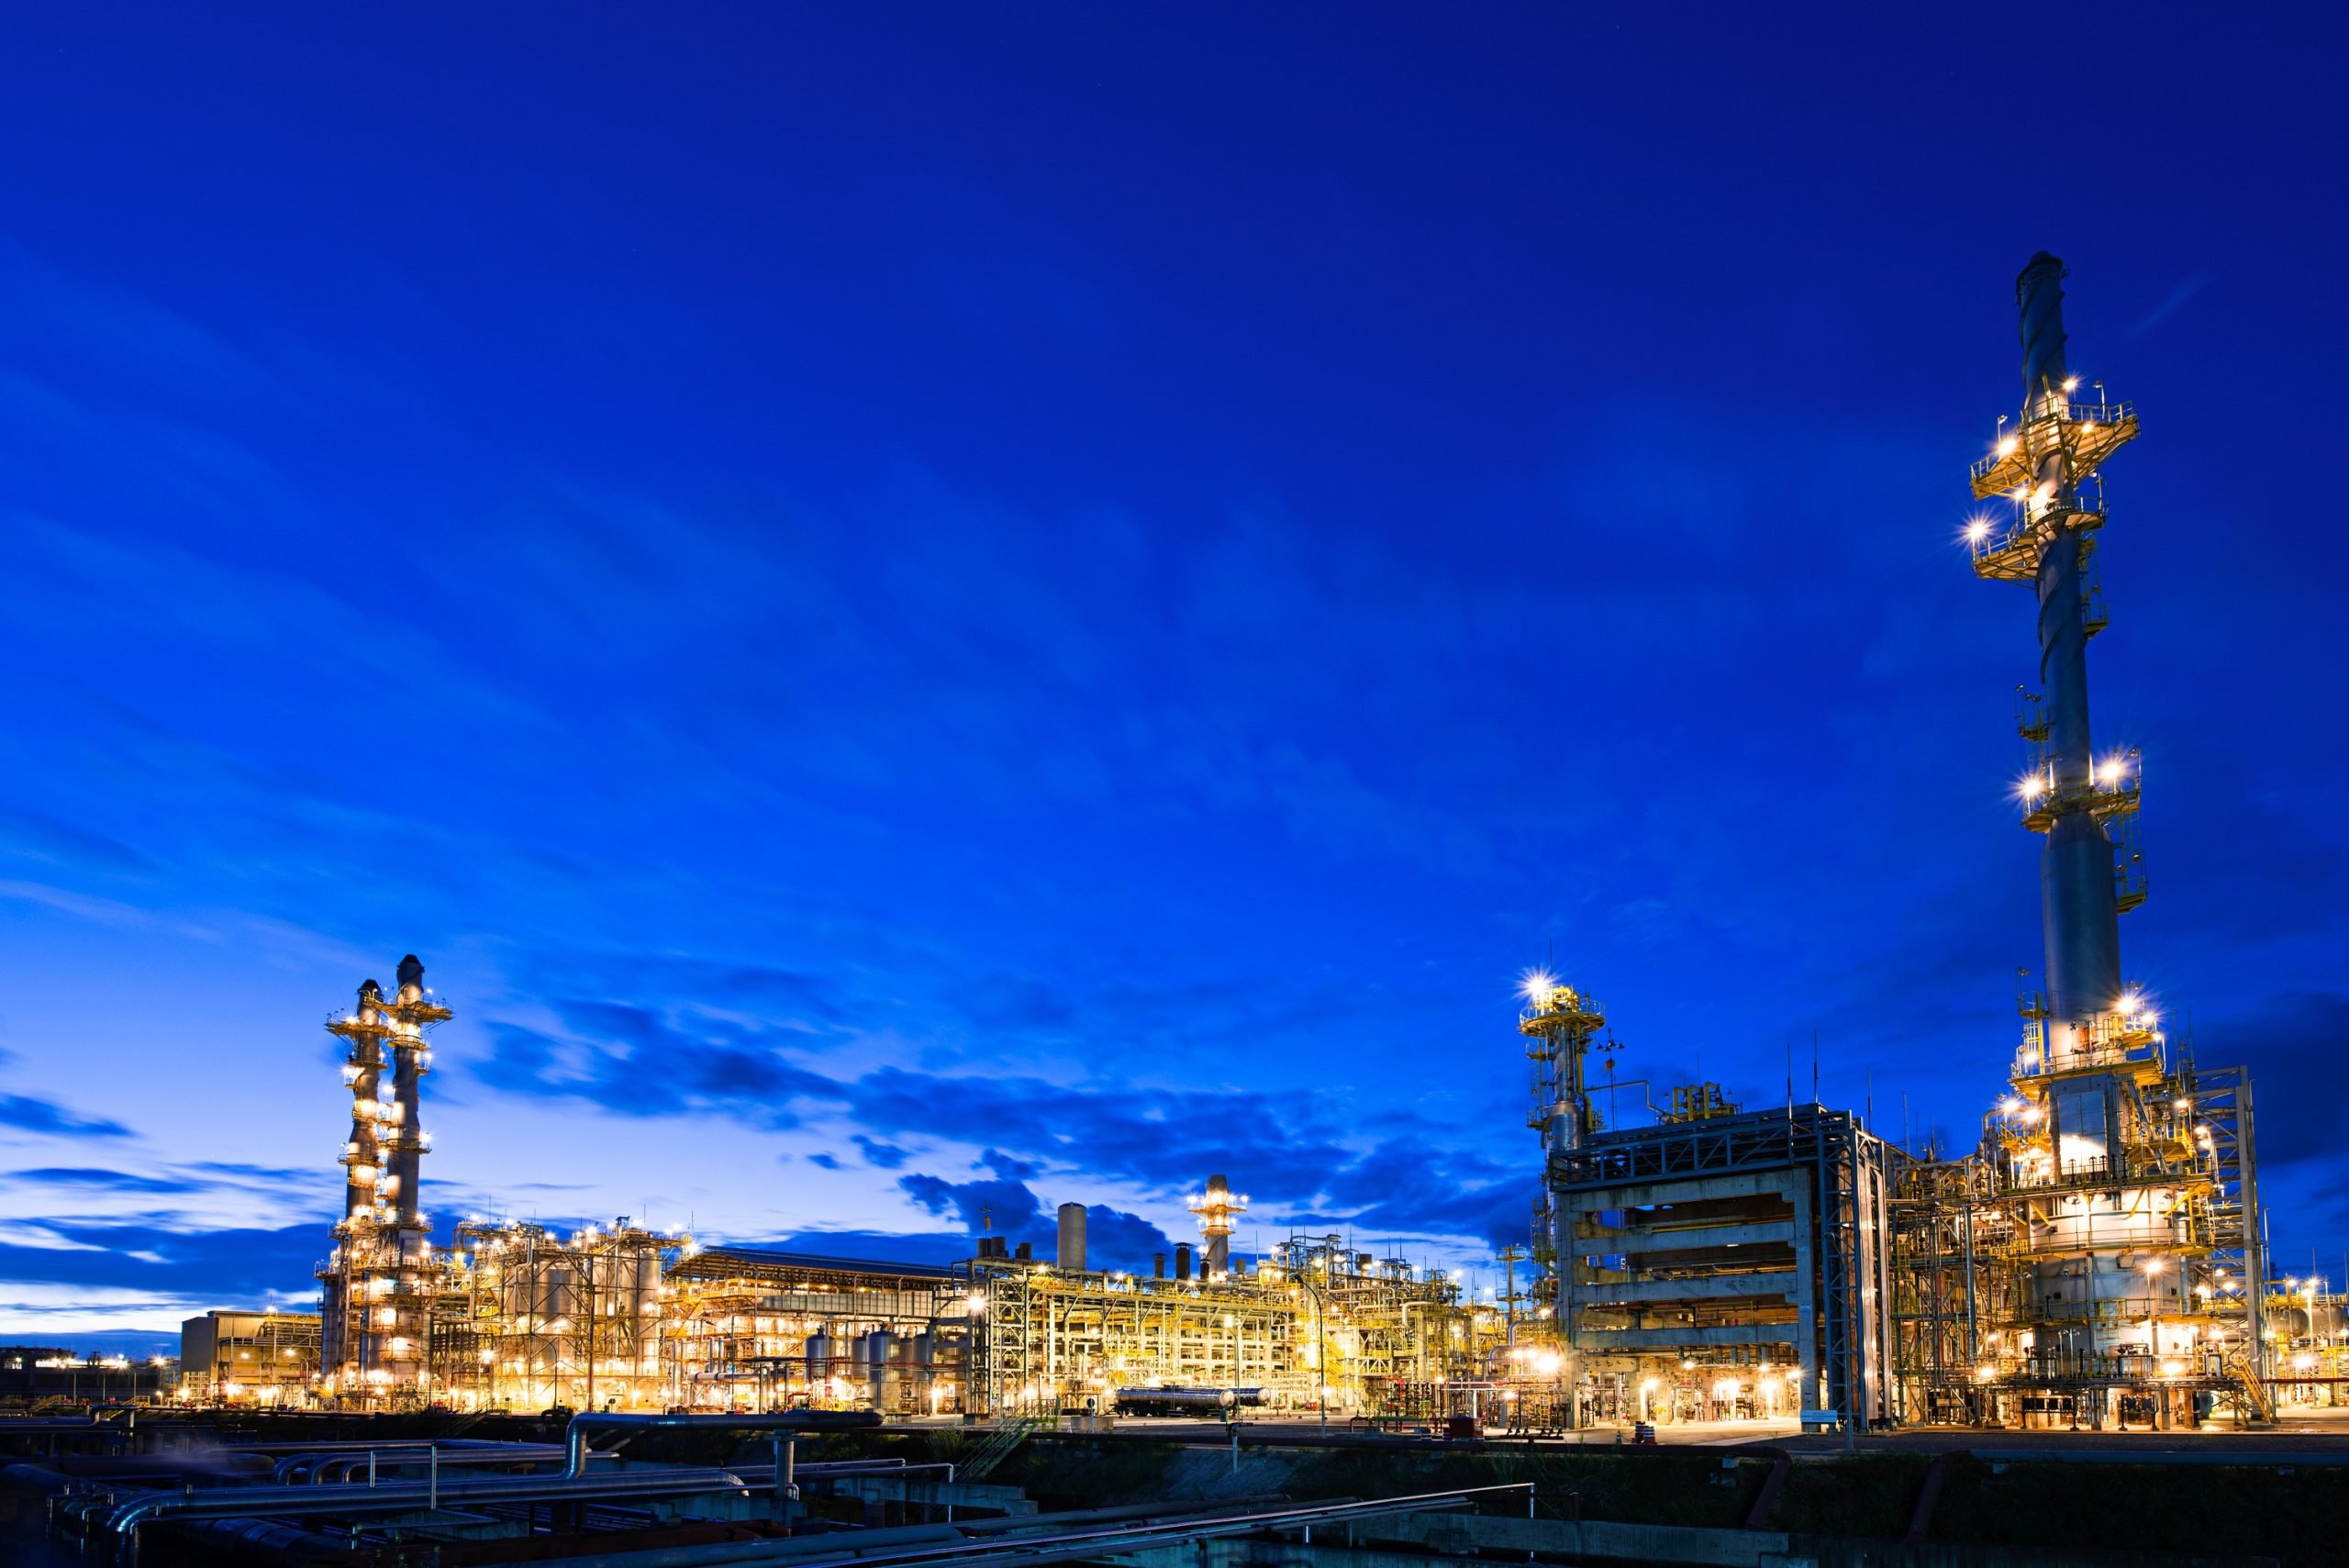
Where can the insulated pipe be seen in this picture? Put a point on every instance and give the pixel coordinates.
(2077, 899)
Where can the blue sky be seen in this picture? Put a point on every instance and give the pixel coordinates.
(934, 608)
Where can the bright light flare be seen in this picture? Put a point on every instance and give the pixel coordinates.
(2071, 384)
(1977, 528)
(2007, 448)
(1536, 986)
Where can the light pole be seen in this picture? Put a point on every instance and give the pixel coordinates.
(1232, 1323)
(1320, 1354)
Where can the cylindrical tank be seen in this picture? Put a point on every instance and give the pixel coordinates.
(1158, 1265)
(819, 1359)
(554, 1294)
(1026, 1253)
(921, 1356)
(648, 1281)
(516, 1289)
(1071, 1237)
(1182, 1260)
(881, 1373)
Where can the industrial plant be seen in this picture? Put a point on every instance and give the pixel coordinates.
(2094, 1262)
(2095, 1259)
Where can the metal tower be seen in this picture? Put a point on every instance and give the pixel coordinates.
(376, 1281)
(1558, 1024)
(2120, 1183)
(2047, 469)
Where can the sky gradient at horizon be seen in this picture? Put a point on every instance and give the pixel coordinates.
(964, 610)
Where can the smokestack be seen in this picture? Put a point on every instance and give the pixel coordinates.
(1182, 1260)
(1158, 1265)
(1071, 1237)
(1026, 1253)
(2077, 906)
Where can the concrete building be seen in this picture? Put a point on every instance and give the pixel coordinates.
(249, 1357)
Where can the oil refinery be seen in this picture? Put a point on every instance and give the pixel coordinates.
(2095, 1260)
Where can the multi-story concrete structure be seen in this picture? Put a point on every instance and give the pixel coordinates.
(249, 1357)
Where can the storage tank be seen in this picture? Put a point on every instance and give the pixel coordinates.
(1182, 1260)
(647, 1304)
(556, 1297)
(880, 1371)
(1071, 1237)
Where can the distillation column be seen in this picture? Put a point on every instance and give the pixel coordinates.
(2122, 1177)
(378, 1279)
(410, 1061)
(346, 1347)
(2077, 898)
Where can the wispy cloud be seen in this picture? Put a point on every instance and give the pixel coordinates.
(2170, 302)
(29, 1113)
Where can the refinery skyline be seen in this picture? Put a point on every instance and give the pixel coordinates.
(916, 642)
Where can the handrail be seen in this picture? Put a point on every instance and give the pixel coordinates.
(277, 1502)
(1132, 1538)
(585, 1421)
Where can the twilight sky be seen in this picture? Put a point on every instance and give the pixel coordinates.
(927, 608)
